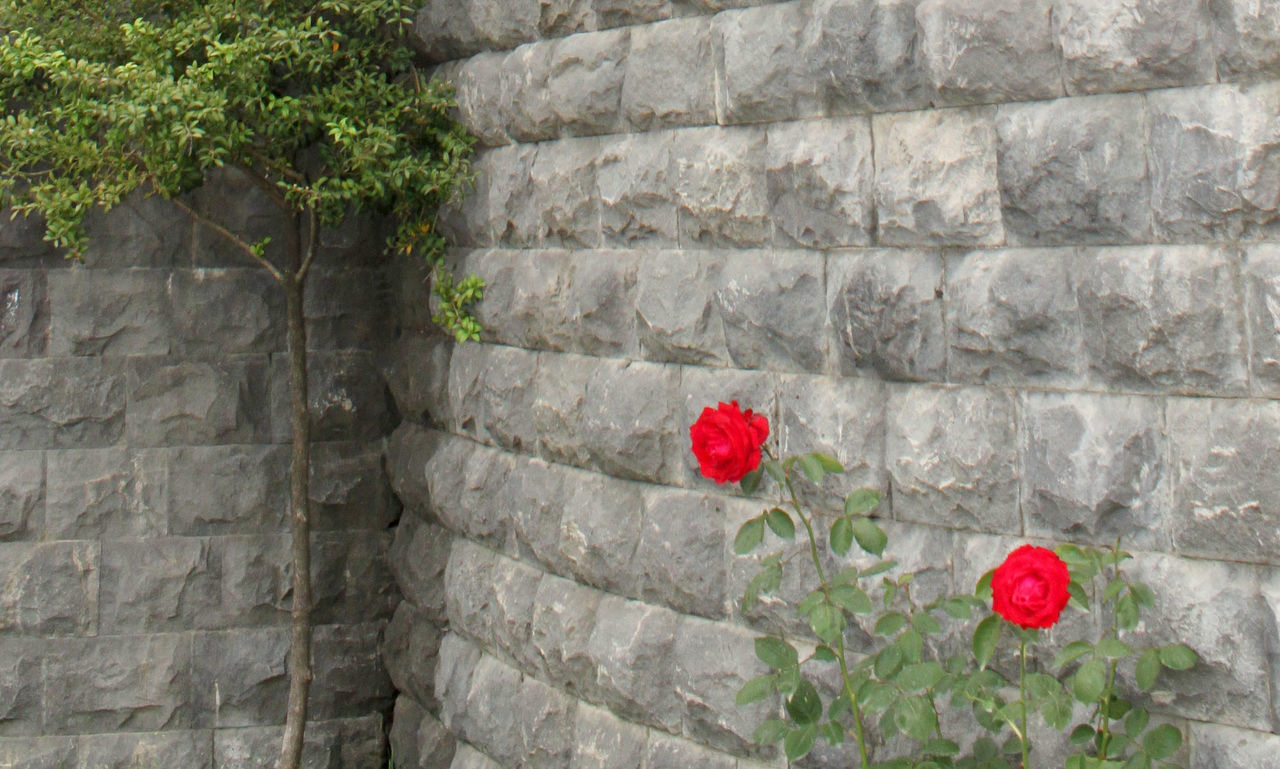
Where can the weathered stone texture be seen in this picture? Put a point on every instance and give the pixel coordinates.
(1246, 35)
(24, 313)
(20, 689)
(584, 84)
(1261, 277)
(676, 316)
(159, 585)
(868, 55)
(124, 751)
(717, 174)
(766, 302)
(635, 181)
(77, 402)
(766, 73)
(22, 494)
(603, 741)
(1224, 747)
(670, 78)
(198, 401)
(49, 589)
(101, 685)
(224, 311)
(93, 493)
(819, 178)
(353, 742)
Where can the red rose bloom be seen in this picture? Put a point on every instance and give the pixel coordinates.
(727, 441)
(1030, 588)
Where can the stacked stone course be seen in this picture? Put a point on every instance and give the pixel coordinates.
(1014, 264)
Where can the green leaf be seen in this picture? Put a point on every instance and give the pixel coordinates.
(770, 731)
(879, 567)
(852, 599)
(1142, 594)
(940, 747)
(1081, 734)
(1089, 681)
(1178, 657)
(780, 523)
(957, 608)
(1162, 741)
(1113, 589)
(888, 662)
(1139, 760)
(775, 472)
(841, 536)
(833, 732)
(751, 481)
(804, 706)
(799, 742)
(914, 716)
(823, 653)
(811, 467)
(1148, 669)
(750, 534)
(1114, 648)
(918, 677)
(861, 502)
(828, 462)
(870, 536)
(1136, 722)
(890, 623)
(984, 639)
(777, 653)
(1127, 612)
(911, 643)
(827, 622)
(755, 690)
(1079, 598)
(983, 588)
(1072, 652)
(812, 601)
(925, 623)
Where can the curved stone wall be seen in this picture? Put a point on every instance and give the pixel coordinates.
(1016, 264)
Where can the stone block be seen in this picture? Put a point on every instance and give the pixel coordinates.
(1226, 502)
(504, 25)
(21, 241)
(1261, 276)
(346, 397)
(600, 527)
(601, 302)
(775, 612)
(869, 55)
(227, 311)
(458, 660)
(417, 559)
(350, 681)
(24, 319)
(819, 177)
(1213, 154)
(1094, 469)
(488, 715)
(410, 649)
(485, 95)
(192, 749)
(50, 588)
(712, 661)
(465, 485)
(767, 74)
(564, 619)
(841, 417)
(508, 215)
(635, 183)
(514, 587)
(346, 309)
(1246, 35)
(670, 78)
(22, 494)
(102, 685)
(410, 451)
(676, 317)
(936, 180)
(720, 187)
(491, 394)
(1166, 318)
(140, 231)
(526, 297)
(198, 401)
(1074, 171)
(256, 583)
(417, 740)
(469, 589)
(632, 648)
(1125, 45)
(584, 82)
(681, 552)
(1013, 318)
(538, 492)
(886, 309)
(64, 403)
(564, 193)
(766, 300)
(560, 18)
(238, 677)
(351, 742)
(545, 720)
(349, 488)
(530, 117)
(1225, 747)
(667, 752)
(94, 493)
(20, 688)
(417, 373)
(350, 577)
(704, 388)
(952, 457)
(164, 584)
(38, 752)
(621, 13)
(603, 741)
(468, 757)
(444, 30)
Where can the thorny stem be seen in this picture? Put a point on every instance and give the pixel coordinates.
(1103, 716)
(1022, 693)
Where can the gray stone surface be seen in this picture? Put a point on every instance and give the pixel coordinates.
(1261, 277)
(529, 118)
(20, 690)
(94, 685)
(417, 558)
(711, 663)
(115, 492)
(491, 392)
(22, 494)
(350, 680)
(841, 417)
(558, 18)
(238, 678)
(197, 401)
(766, 70)
(584, 83)
(1163, 319)
(868, 55)
(1245, 35)
(418, 376)
(1095, 468)
(717, 175)
(468, 757)
(159, 585)
(38, 752)
(564, 195)
(24, 313)
(603, 741)
(632, 647)
(766, 301)
(347, 400)
(666, 752)
(564, 619)
(49, 588)
(351, 579)
(256, 580)
(681, 552)
(670, 78)
(129, 751)
(600, 531)
(338, 744)
(76, 402)
(1126, 45)
(819, 177)
(676, 317)
(635, 182)
(1225, 747)
(410, 650)
(1013, 317)
(1074, 171)
(220, 311)
(936, 178)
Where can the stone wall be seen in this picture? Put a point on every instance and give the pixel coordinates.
(144, 549)
(1015, 263)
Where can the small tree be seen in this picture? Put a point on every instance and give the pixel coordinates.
(316, 101)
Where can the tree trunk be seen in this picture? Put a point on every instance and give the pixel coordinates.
(299, 503)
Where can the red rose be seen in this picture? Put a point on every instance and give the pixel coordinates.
(1030, 588)
(727, 441)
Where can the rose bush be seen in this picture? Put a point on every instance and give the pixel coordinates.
(727, 441)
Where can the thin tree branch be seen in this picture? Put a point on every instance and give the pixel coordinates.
(229, 235)
(313, 242)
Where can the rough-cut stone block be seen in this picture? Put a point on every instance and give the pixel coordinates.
(632, 647)
(564, 194)
(603, 741)
(417, 740)
(561, 18)
(1261, 275)
(350, 577)
(977, 51)
(530, 117)
(840, 417)
(766, 73)
(1163, 318)
(868, 54)
(21, 241)
(468, 757)
(1094, 468)
(584, 82)
(491, 394)
(346, 309)
(410, 649)
(417, 559)
(192, 749)
(819, 178)
(720, 188)
(141, 231)
(468, 580)
(49, 588)
(24, 313)
(346, 397)
(599, 528)
(200, 402)
(1246, 34)
(103, 685)
(601, 302)
(349, 489)
(514, 720)
(159, 585)
(1214, 155)
(622, 13)
(635, 183)
(526, 297)
(96, 493)
(670, 78)
(505, 209)
(22, 494)
(536, 493)
(38, 752)
(666, 752)
(225, 311)
(1216, 609)
(1123, 45)
(681, 552)
(230, 197)
(676, 316)
(417, 373)
(443, 30)
(458, 660)
(504, 25)
(775, 612)
(484, 92)
(411, 450)
(564, 618)
(1074, 171)
(766, 301)
(1226, 501)
(351, 742)
(1013, 318)
(712, 661)
(704, 388)
(350, 680)
(20, 688)
(239, 678)
(77, 402)
(514, 587)
(256, 581)
(465, 484)
(887, 313)
(936, 178)
(952, 457)
(1224, 747)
